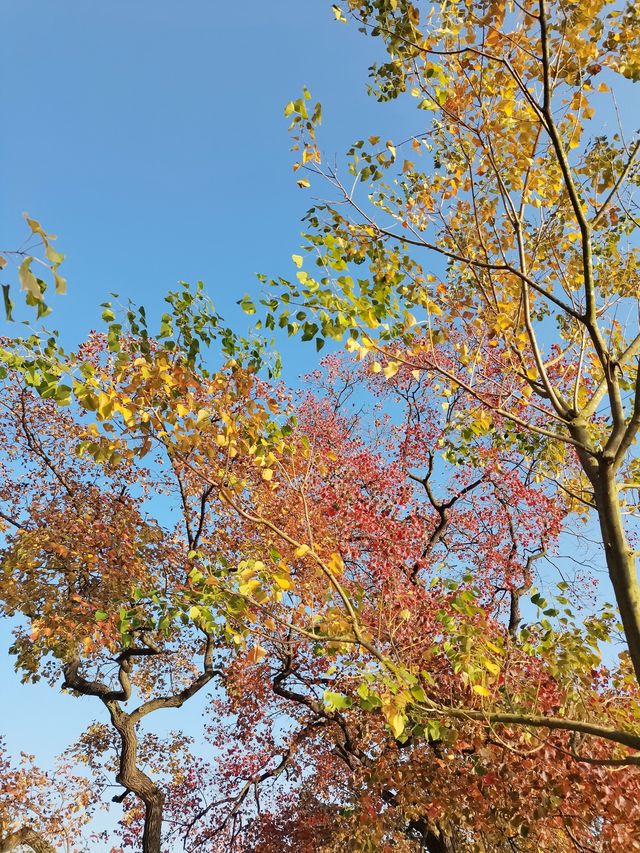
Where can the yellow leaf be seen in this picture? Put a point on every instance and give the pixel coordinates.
(35, 226)
(267, 474)
(302, 550)
(493, 647)
(391, 369)
(250, 587)
(335, 564)
(481, 690)
(283, 582)
(493, 668)
(28, 280)
(397, 723)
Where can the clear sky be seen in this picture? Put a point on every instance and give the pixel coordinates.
(150, 137)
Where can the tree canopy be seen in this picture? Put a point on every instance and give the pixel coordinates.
(364, 577)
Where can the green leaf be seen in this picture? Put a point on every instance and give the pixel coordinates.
(336, 701)
(8, 304)
(247, 305)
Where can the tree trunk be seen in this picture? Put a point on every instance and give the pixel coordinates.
(135, 780)
(26, 837)
(431, 840)
(152, 835)
(436, 844)
(620, 559)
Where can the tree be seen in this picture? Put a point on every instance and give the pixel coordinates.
(308, 559)
(500, 249)
(366, 778)
(364, 616)
(42, 811)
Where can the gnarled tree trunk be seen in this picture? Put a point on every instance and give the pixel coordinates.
(26, 837)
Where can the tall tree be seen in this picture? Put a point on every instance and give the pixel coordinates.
(496, 248)
(362, 592)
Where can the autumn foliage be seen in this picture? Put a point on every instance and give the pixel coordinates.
(365, 580)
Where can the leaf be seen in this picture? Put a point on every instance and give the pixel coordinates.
(54, 257)
(489, 665)
(391, 369)
(8, 304)
(28, 281)
(397, 722)
(35, 227)
(60, 283)
(101, 615)
(336, 701)
(303, 183)
(339, 14)
(493, 647)
(256, 654)
(335, 564)
(481, 690)
(302, 550)
(247, 305)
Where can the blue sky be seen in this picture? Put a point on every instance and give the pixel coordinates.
(150, 137)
